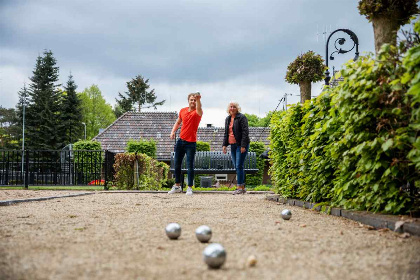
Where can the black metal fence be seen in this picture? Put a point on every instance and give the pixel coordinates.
(56, 167)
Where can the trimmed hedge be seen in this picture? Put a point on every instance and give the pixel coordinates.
(356, 145)
(141, 146)
(152, 174)
(256, 179)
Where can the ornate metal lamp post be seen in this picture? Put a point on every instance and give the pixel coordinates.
(340, 41)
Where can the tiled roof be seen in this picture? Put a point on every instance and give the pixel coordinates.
(158, 126)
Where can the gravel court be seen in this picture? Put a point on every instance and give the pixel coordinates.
(121, 236)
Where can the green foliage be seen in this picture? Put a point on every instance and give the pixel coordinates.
(71, 116)
(203, 146)
(9, 129)
(150, 174)
(256, 179)
(255, 121)
(141, 146)
(355, 145)
(401, 10)
(95, 111)
(411, 78)
(137, 95)
(42, 128)
(306, 67)
(88, 159)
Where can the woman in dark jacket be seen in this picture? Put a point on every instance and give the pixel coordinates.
(237, 136)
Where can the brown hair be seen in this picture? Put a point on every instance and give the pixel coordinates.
(191, 94)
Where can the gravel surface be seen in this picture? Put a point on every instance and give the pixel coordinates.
(122, 236)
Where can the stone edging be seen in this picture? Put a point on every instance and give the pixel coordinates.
(375, 220)
(14, 201)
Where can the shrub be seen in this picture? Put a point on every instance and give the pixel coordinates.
(355, 145)
(150, 174)
(256, 179)
(88, 159)
(141, 146)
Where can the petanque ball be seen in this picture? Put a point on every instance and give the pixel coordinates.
(286, 214)
(203, 234)
(173, 230)
(214, 255)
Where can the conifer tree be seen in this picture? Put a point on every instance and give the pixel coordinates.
(71, 114)
(43, 111)
(138, 96)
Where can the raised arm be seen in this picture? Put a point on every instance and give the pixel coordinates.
(198, 105)
(175, 128)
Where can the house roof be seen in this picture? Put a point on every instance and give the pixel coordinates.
(158, 126)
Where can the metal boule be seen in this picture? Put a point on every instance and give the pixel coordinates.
(173, 230)
(203, 233)
(214, 255)
(286, 214)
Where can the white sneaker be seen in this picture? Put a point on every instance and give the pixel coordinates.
(189, 191)
(175, 189)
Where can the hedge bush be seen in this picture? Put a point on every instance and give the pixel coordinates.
(88, 164)
(152, 174)
(356, 145)
(256, 179)
(142, 146)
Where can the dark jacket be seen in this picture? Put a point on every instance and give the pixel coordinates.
(240, 130)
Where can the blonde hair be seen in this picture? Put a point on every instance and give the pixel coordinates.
(234, 103)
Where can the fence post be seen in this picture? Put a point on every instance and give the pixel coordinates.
(27, 170)
(106, 170)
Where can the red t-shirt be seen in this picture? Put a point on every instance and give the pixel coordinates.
(190, 122)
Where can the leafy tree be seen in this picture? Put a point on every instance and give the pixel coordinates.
(387, 16)
(42, 126)
(138, 95)
(71, 115)
(96, 113)
(9, 130)
(307, 68)
(255, 121)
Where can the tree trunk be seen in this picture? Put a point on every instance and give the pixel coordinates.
(305, 91)
(385, 30)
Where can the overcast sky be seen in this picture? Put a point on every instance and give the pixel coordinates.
(228, 49)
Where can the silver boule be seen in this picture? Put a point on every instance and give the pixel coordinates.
(214, 255)
(173, 230)
(203, 233)
(286, 214)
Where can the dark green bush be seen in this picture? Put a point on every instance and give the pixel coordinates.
(141, 146)
(356, 145)
(256, 179)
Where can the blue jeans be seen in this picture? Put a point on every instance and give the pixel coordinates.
(183, 147)
(238, 160)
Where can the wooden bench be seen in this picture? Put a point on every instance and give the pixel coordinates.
(215, 163)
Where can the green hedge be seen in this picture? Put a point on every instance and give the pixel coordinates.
(141, 146)
(256, 179)
(152, 174)
(88, 164)
(356, 145)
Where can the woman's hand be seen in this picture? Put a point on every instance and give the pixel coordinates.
(224, 150)
(243, 150)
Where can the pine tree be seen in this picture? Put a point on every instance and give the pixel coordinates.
(139, 95)
(23, 99)
(43, 112)
(71, 114)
